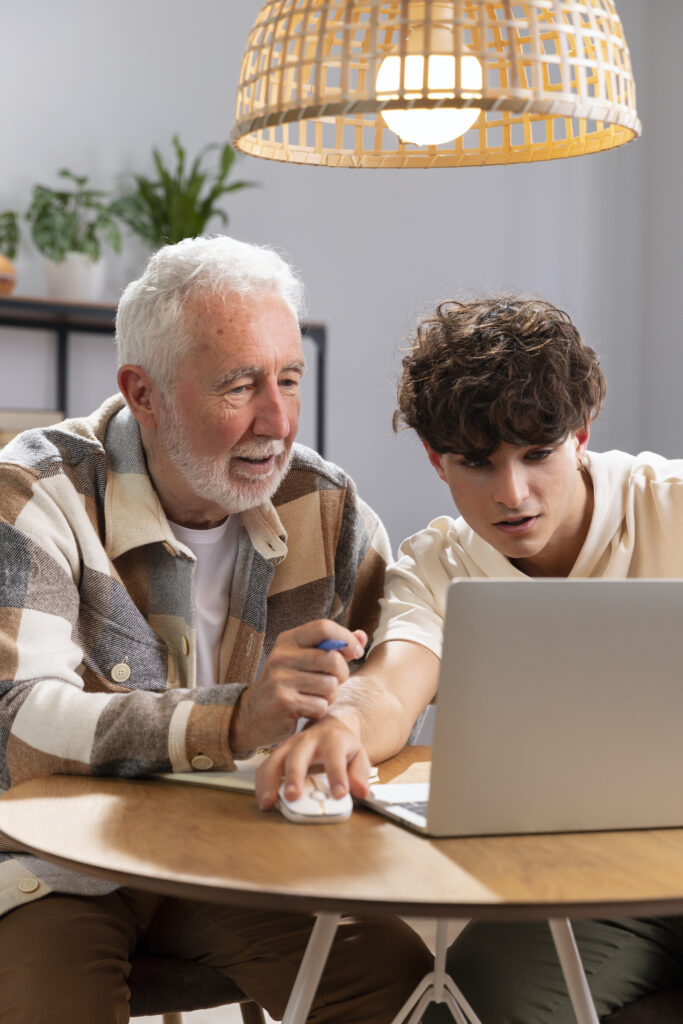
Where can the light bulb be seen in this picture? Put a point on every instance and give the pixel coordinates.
(420, 125)
(429, 127)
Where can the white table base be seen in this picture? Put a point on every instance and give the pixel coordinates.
(437, 986)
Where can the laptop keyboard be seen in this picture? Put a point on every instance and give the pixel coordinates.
(415, 807)
(406, 801)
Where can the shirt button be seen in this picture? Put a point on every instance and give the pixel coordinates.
(202, 762)
(186, 645)
(120, 673)
(29, 884)
(169, 547)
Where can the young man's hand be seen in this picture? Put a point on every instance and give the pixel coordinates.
(330, 743)
(372, 719)
(299, 681)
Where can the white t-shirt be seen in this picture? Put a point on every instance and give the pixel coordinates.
(216, 552)
(636, 531)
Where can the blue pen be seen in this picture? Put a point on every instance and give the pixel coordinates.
(332, 645)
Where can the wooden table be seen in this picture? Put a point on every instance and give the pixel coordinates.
(213, 845)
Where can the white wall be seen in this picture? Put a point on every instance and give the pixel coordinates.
(94, 85)
(661, 340)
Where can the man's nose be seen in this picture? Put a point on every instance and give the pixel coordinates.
(511, 487)
(272, 417)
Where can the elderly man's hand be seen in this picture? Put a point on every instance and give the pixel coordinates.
(329, 743)
(299, 681)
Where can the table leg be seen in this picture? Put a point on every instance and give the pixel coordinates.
(311, 969)
(572, 968)
(438, 987)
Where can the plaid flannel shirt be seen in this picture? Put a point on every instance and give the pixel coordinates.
(97, 624)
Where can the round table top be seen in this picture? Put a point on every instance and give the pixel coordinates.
(211, 844)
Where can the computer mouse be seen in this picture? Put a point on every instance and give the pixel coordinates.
(316, 805)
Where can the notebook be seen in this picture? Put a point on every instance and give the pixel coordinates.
(559, 708)
(242, 779)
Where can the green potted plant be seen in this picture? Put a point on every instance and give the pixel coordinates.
(9, 242)
(69, 226)
(179, 201)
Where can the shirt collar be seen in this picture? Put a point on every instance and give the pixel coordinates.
(133, 514)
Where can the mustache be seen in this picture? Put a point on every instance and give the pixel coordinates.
(256, 450)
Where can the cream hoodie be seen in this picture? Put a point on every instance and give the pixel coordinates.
(636, 531)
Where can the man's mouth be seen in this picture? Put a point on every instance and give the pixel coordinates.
(257, 460)
(516, 524)
(256, 464)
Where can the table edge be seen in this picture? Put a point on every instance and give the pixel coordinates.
(296, 903)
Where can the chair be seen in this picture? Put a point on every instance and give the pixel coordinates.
(655, 1008)
(166, 986)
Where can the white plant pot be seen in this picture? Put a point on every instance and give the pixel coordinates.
(75, 279)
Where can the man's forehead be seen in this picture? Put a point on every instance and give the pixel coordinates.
(245, 329)
(511, 448)
(232, 306)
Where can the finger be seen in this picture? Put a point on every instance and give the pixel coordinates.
(350, 649)
(356, 649)
(329, 662)
(284, 691)
(292, 687)
(314, 633)
(331, 745)
(362, 638)
(291, 666)
(300, 757)
(334, 661)
(359, 774)
(335, 759)
(308, 706)
(268, 777)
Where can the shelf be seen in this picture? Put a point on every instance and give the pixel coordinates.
(65, 318)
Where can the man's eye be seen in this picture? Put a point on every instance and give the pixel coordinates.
(540, 454)
(289, 382)
(474, 463)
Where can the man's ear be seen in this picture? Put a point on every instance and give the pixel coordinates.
(141, 394)
(435, 460)
(582, 437)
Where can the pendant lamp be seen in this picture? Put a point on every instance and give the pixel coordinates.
(434, 83)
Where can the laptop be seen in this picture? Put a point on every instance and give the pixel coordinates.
(559, 709)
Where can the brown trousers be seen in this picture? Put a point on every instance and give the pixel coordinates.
(65, 959)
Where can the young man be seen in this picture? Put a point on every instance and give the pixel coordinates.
(169, 566)
(502, 393)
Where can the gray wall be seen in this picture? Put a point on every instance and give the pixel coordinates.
(94, 85)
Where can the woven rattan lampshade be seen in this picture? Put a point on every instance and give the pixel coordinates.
(555, 80)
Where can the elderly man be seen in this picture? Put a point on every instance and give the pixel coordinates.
(502, 393)
(169, 566)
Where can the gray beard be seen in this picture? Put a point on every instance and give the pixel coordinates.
(216, 478)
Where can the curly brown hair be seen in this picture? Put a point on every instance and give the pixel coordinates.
(497, 370)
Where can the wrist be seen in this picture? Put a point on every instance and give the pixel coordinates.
(347, 718)
(240, 741)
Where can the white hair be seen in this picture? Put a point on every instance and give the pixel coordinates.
(151, 329)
